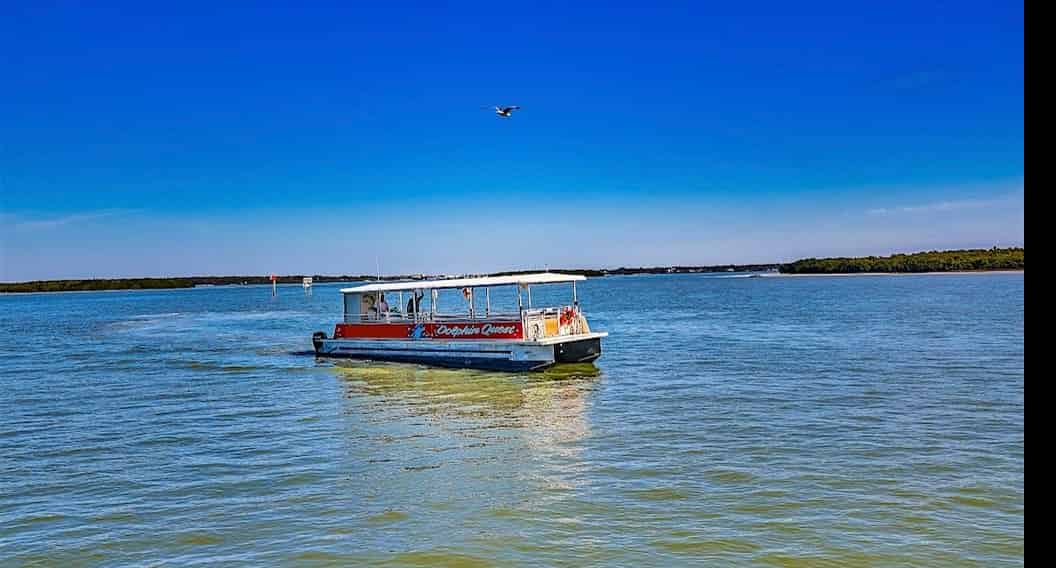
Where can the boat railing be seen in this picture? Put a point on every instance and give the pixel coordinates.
(540, 323)
(550, 311)
(398, 317)
(401, 317)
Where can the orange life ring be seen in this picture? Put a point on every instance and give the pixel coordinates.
(567, 316)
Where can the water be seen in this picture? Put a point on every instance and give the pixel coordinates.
(770, 421)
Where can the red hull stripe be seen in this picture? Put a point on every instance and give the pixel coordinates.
(453, 330)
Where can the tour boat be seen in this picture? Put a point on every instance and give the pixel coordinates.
(465, 333)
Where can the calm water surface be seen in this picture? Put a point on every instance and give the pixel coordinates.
(731, 421)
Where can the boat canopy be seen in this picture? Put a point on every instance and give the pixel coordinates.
(516, 279)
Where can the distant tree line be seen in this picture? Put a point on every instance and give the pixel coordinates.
(624, 270)
(100, 284)
(192, 281)
(931, 261)
(160, 283)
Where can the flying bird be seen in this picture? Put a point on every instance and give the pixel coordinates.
(506, 111)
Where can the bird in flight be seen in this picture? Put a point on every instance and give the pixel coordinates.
(506, 111)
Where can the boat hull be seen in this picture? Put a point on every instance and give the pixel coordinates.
(497, 355)
(582, 351)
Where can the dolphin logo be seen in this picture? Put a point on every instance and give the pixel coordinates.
(417, 332)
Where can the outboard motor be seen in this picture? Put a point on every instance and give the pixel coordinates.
(317, 340)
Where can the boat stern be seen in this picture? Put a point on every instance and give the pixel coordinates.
(578, 351)
(317, 341)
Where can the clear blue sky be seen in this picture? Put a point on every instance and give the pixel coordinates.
(140, 138)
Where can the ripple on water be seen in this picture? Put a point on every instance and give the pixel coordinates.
(708, 547)
(387, 517)
(660, 494)
(732, 477)
(437, 558)
(199, 539)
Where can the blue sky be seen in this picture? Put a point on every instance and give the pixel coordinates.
(139, 139)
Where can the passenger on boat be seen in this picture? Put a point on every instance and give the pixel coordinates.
(383, 308)
(414, 303)
(370, 307)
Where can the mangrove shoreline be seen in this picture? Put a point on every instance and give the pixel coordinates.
(930, 262)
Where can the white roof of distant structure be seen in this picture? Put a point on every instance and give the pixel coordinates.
(536, 278)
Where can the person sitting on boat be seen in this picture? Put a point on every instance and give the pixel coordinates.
(383, 308)
(369, 307)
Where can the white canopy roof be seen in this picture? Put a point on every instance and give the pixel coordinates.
(537, 278)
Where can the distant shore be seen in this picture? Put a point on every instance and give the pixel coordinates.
(852, 274)
(972, 261)
(101, 284)
(968, 260)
